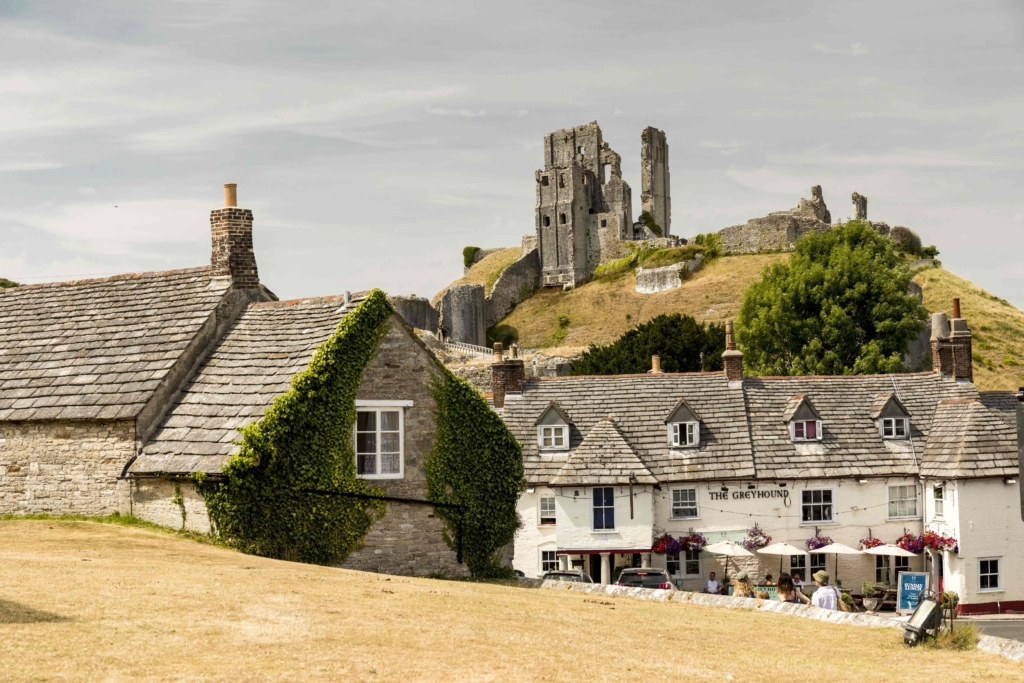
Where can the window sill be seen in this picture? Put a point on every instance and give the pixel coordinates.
(819, 523)
(547, 524)
(552, 451)
(681, 447)
(991, 590)
(604, 531)
(902, 519)
(684, 519)
(380, 476)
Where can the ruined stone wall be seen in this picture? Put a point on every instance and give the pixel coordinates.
(64, 467)
(778, 231)
(515, 284)
(654, 178)
(152, 499)
(653, 280)
(416, 311)
(462, 314)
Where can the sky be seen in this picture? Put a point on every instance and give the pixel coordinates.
(373, 141)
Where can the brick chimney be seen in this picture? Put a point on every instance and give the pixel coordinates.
(231, 229)
(732, 360)
(951, 346)
(506, 377)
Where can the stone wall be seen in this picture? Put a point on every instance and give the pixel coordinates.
(462, 314)
(477, 373)
(64, 467)
(778, 231)
(516, 283)
(653, 280)
(152, 499)
(416, 311)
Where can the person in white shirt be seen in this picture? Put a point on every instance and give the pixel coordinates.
(826, 596)
(712, 585)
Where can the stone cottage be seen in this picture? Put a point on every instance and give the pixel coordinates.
(115, 391)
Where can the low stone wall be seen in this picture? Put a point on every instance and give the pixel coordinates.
(407, 541)
(516, 283)
(64, 467)
(653, 280)
(775, 232)
(152, 499)
(1010, 649)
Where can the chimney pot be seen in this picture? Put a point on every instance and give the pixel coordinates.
(231, 233)
(230, 194)
(730, 339)
(497, 352)
(956, 307)
(656, 365)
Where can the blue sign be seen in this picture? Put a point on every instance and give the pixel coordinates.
(909, 587)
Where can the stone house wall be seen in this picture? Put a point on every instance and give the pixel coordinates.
(64, 467)
(152, 499)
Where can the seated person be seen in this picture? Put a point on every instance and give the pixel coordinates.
(787, 591)
(742, 587)
(712, 585)
(769, 580)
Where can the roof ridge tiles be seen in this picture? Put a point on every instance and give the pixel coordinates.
(109, 278)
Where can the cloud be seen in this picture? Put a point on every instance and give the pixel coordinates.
(465, 113)
(854, 50)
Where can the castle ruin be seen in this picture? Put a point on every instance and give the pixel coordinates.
(584, 209)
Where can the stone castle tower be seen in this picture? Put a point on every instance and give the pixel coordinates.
(584, 208)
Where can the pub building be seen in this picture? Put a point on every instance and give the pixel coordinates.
(612, 463)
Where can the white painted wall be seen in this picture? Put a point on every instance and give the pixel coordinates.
(532, 537)
(576, 520)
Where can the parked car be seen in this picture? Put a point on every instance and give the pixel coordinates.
(568, 576)
(645, 578)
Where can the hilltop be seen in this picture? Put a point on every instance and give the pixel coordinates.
(600, 311)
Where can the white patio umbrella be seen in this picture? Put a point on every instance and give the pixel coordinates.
(889, 549)
(838, 549)
(782, 549)
(729, 549)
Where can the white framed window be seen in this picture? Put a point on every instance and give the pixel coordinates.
(798, 565)
(817, 563)
(988, 574)
(684, 504)
(684, 434)
(903, 501)
(894, 428)
(672, 564)
(939, 500)
(380, 441)
(805, 430)
(604, 508)
(685, 564)
(553, 437)
(816, 505)
(547, 510)
(548, 561)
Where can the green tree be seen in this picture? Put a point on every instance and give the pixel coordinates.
(678, 339)
(839, 307)
(4, 282)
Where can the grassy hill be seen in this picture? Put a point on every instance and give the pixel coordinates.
(600, 311)
(83, 601)
(486, 271)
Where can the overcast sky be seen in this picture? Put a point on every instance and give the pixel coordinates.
(374, 140)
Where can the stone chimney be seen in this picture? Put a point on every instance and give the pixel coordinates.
(506, 377)
(231, 229)
(732, 360)
(655, 365)
(951, 346)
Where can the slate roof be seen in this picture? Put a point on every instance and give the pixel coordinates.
(603, 457)
(98, 349)
(956, 431)
(251, 365)
(638, 404)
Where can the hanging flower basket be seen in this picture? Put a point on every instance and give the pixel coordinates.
(666, 545)
(693, 541)
(910, 543)
(870, 542)
(818, 541)
(937, 541)
(756, 539)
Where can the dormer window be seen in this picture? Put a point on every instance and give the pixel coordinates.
(803, 419)
(553, 429)
(893, 419)
(683, 426)
(806, 430)
(684, 433)
(894, 428)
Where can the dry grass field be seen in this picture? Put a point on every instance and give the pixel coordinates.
(82, 601)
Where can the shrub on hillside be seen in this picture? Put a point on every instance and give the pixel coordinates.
(712, 243)
(906, 240)
(647, 219)
(678, 339)
(839, 307)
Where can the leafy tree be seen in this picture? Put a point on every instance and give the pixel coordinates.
(4, 282)
(678, 339)
(839, 307)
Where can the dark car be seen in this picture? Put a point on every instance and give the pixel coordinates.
(645, 578)
(568, 577)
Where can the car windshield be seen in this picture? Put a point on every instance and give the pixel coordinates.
(561, 577)
(643, 579)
